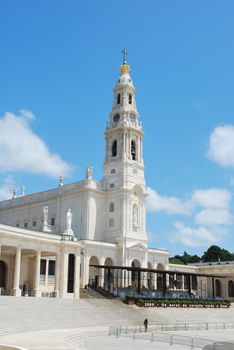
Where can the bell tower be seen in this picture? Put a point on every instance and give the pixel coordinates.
(123, 178)
(124, 134)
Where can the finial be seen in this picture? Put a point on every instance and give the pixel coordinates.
(124, 51)
(124, 68)
(61, 181)
(14, 193)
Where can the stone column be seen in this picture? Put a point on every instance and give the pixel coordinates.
(84, 270)
(130, 279)
(16, 289)
(77, 276)
(64, 274)
(182, 278)
(36, 291)
(155, 280)
(86, 276)
(101, 277)
(57, 275)
(175, 281)
(167, 280)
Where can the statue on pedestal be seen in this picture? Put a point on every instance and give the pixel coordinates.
(45, 218)
(89, 173)
(69, 230)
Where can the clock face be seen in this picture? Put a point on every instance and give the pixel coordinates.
(116, 118)
(132, 117)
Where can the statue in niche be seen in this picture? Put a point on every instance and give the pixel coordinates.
(135, 215)
(89, 172)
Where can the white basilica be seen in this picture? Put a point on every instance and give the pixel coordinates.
(48, 240)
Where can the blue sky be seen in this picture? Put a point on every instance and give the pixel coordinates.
(60, 59)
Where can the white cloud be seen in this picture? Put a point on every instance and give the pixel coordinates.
(197, 236)
(22, 150)
(208, 208)
(212, 198)
(205, 198)
(6, 188)
(213, 217)
(169, 205)
(221, 145)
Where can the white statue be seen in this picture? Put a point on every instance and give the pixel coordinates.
(69, 230)
(135, 215)
(45, 219)
(89, 173)
(69, 219)
(45, 216)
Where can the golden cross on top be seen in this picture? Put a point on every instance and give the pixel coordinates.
(124, 51)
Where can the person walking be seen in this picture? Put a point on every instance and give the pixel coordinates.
(146, 324)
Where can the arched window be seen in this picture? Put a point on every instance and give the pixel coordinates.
(130, 99)
(133, 150)
(135, 215)
(116, 118)
(231, 289)
(112, 207)
(118, 99)
(114, 148)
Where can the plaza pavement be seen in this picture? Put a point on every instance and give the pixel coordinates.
(49, 324)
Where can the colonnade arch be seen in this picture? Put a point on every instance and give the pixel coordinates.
(108, 274)
(134, 277)
(150, 277)
(160, 267)
(93, 271)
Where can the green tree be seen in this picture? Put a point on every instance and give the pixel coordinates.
(215, 253)
(174, 260)
(187, 258)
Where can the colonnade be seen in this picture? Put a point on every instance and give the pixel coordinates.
(62, 268)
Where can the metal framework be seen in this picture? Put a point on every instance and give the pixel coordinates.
(138, 272)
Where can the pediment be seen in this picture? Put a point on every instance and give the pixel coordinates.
(137, 246)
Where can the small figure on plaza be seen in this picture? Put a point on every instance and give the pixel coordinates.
(146, 324)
